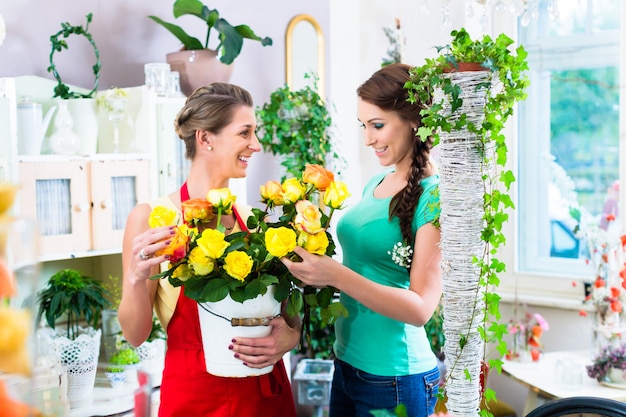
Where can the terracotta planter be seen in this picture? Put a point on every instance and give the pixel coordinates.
(465, 66)
(198, 68)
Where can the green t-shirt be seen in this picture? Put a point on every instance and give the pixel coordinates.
(365, 339)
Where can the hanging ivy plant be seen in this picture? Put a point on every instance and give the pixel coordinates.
(58, 41)
(296, 124)
(506, 86)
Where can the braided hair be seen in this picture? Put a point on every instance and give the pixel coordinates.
(209, 108)
(385, 89)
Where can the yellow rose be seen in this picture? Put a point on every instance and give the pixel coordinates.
(212, 243)
(238, 265)
(279, 241)
(293, 190)
(197, 209)
(182, 272)
(7, 195)
(14, 325)
(199, 262)
(318, 176)
(14, 330)
(221, 198)
(314, 243)
(272, 193)
(162, 216)
(177, 247)
(308, 217)
(336, 194)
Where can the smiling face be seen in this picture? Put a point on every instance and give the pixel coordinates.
(390, 136)
(235, 143)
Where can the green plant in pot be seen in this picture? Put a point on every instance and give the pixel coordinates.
(120, 366)
(205, 68)
(295, 124)
(464, 110)
(75, 297)
(71, 296)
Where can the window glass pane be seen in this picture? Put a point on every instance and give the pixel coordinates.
(123, 190)
(54, 207)
(568, 131)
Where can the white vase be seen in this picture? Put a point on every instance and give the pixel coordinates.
(83, 111)
(217, 332)
(64, 141)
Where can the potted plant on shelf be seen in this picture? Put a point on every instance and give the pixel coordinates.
(74, 297)
(295, 124)
(76, 121)
(197, 64)
(122, 366)
(464, 113)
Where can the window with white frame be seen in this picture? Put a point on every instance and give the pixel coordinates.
(569, 129)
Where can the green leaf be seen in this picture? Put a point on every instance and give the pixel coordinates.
(189, 42)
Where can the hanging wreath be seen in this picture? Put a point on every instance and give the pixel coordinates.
(58, 44)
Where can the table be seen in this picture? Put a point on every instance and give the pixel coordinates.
(544, 384)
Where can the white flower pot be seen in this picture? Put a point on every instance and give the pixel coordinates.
(79, 357)
(217, 332)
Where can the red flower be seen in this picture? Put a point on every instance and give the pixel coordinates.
(599, 282)
(610, 217)
(534, 354)
(623, 239)
(616, 306)
(574, 284)
(615, 292)
(582, 313)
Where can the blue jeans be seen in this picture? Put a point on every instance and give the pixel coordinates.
(355, 393)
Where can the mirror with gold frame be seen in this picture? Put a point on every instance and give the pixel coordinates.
(304, 52)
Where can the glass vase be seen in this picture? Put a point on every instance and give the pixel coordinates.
(607, 327)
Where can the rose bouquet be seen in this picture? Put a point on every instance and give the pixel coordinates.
(211, 264)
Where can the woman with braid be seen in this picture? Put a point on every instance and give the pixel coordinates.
(217, 124)
(383, 355)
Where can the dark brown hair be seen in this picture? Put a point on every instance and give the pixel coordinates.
(209, 108)
(385, 89)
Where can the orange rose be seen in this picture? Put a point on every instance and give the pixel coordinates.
(197, 210)
(177, 247)
(318, 176)
(272, 193)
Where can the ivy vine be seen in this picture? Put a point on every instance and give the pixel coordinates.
(58, 41)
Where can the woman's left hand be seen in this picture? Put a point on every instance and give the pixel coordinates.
(259, 352)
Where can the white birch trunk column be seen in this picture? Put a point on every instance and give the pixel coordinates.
(462, 167)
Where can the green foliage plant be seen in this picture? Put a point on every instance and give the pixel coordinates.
(508, 76)
(296, 124)
(123, 358)
(59, 43)
(71, 294)
(230, 37)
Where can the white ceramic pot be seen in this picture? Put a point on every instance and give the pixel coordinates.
(83, 111)
(617, 376)
(217, 332)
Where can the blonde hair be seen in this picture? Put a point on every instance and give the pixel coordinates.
(209, 108)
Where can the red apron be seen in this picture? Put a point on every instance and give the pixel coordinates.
(187, 390)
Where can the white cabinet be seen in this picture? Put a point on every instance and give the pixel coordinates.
(81, 202)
